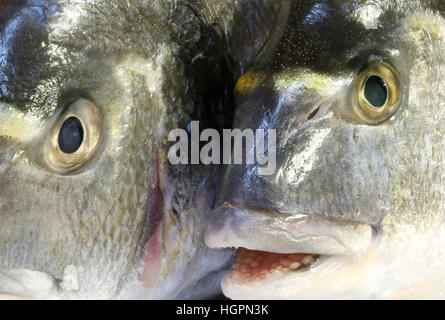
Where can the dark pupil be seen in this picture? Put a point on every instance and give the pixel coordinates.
(70, 135)
(376, 92)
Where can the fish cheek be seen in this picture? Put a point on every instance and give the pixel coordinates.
(36, 228)
(335, 170)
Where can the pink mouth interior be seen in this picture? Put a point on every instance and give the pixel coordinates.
(253, 266)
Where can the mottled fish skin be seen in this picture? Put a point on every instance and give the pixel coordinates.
(386, 176)
(85, 234)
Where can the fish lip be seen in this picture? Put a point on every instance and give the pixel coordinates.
(26, 284)
(265, 230)
(232, 224)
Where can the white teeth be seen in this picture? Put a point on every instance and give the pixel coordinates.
(294, 266)
(307, 260)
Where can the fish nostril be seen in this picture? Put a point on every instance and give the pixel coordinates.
(313, 114)
(309, 116)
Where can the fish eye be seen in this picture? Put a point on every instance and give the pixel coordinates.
(377, 92)
(70, 135)
(75, 138)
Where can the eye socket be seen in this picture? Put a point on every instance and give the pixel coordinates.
(377, 92)
(74, 139)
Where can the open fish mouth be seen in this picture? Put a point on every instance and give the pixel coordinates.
(278, 252)
(252, 266)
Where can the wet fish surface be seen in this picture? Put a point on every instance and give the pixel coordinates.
(355, 208)
(89, 206)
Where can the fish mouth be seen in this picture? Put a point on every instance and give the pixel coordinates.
(23, 284)
(279, 252)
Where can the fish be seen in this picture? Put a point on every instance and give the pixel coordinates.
(90, 207)
(355, 208)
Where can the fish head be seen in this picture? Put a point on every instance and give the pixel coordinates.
(354, 208)
(89, 206)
